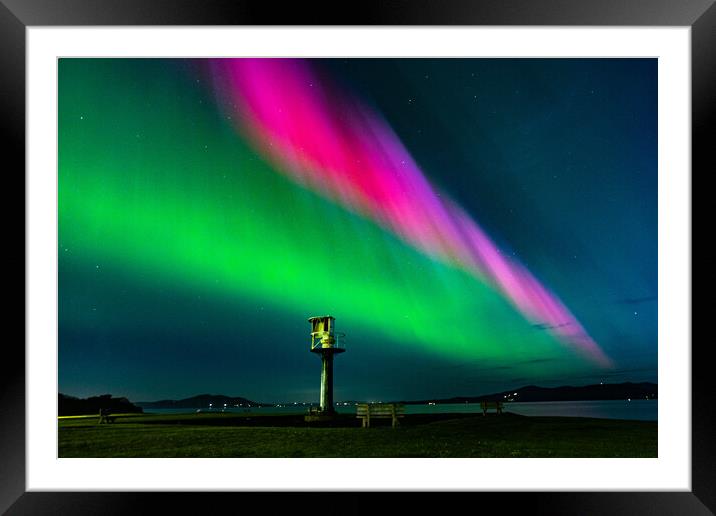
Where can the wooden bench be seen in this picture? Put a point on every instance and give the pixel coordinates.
(487, 405)
(105, 416)
(368, 411)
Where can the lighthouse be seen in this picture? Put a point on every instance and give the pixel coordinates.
(323, 343)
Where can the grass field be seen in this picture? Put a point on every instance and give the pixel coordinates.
(444, 435)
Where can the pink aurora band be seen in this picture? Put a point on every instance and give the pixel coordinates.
(328, 141)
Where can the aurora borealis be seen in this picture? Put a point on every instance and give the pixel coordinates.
(465, 238)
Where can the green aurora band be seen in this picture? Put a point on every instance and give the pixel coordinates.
(156, 185)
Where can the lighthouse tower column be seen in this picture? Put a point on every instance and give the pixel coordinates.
(327, 382)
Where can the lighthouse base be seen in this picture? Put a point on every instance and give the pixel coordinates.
(316, 414)
(320, 417)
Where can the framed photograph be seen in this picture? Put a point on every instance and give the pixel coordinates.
(413, 249)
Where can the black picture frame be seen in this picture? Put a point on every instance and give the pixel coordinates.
(17, 15)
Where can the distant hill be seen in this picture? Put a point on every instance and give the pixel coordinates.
(201, 401)
(607, 391)
(614, 391)
(71, 406)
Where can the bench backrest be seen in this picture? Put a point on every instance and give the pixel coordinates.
(491, 404)
(380, 409)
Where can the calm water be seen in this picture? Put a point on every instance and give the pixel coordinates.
(645, 410)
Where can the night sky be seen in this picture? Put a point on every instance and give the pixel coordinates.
(474, 225)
